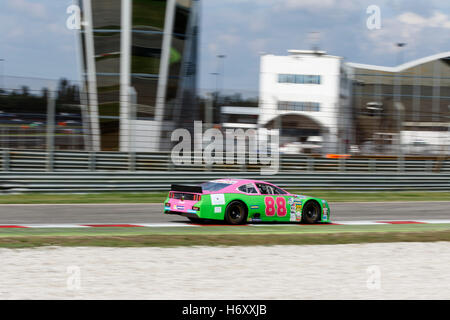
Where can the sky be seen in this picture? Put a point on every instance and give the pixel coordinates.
(35, 41)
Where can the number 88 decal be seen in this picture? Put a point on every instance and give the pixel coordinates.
(280, 206)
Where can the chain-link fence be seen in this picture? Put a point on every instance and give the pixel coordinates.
(58, 115)
(42, 114)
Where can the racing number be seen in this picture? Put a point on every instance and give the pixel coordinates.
(270, 206)
(280, 206)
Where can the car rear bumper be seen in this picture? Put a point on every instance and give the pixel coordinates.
(184, 214)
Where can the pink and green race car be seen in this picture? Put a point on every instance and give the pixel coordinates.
(238, 201)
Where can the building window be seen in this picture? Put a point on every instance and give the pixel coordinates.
(299, 78)
(298, 106)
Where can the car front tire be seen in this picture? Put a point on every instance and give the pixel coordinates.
(311, 212)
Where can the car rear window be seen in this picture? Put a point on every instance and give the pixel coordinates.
(214, 186)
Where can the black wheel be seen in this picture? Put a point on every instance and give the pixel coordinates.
(236, 213)
(311, 212)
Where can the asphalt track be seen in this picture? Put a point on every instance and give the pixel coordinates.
(152, 213)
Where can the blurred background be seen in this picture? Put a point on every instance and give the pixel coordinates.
(135, 70)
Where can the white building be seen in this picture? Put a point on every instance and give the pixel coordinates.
(234, 117)
(306, 93)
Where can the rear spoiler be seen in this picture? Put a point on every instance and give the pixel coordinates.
(186, 188)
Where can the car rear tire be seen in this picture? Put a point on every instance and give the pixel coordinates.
(311, 212)
(236, 213)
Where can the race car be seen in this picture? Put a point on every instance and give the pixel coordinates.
(238, 201)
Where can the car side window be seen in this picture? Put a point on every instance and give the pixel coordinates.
(265, 188)
(248, 188)
(278, 190)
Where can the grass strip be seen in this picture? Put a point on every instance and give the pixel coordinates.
(158, 197)
(222, 240)
(222, 236)
(220, 230)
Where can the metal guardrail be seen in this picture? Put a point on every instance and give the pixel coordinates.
(92, 182)
(79, 161)
(79, 172)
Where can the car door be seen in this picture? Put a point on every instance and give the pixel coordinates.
(273, 202)
(251, 197)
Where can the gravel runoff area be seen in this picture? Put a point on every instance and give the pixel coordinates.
(350, 271)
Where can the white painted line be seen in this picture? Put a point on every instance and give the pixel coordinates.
(185, 224)
(434, 221)
(359, 223)
(273, 224)
(78, 204)
(161, 204)
(387, 202)
(157, 225)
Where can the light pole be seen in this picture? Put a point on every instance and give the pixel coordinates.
(398, 105)
(220, 81)
(314, 38)
(400, 109)
(399, 60)
(131, 128)
(216, 74)
(400, 52)
(220, 71)
(213, 104)
(3, 76)
(50, 136)
(448, 132)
